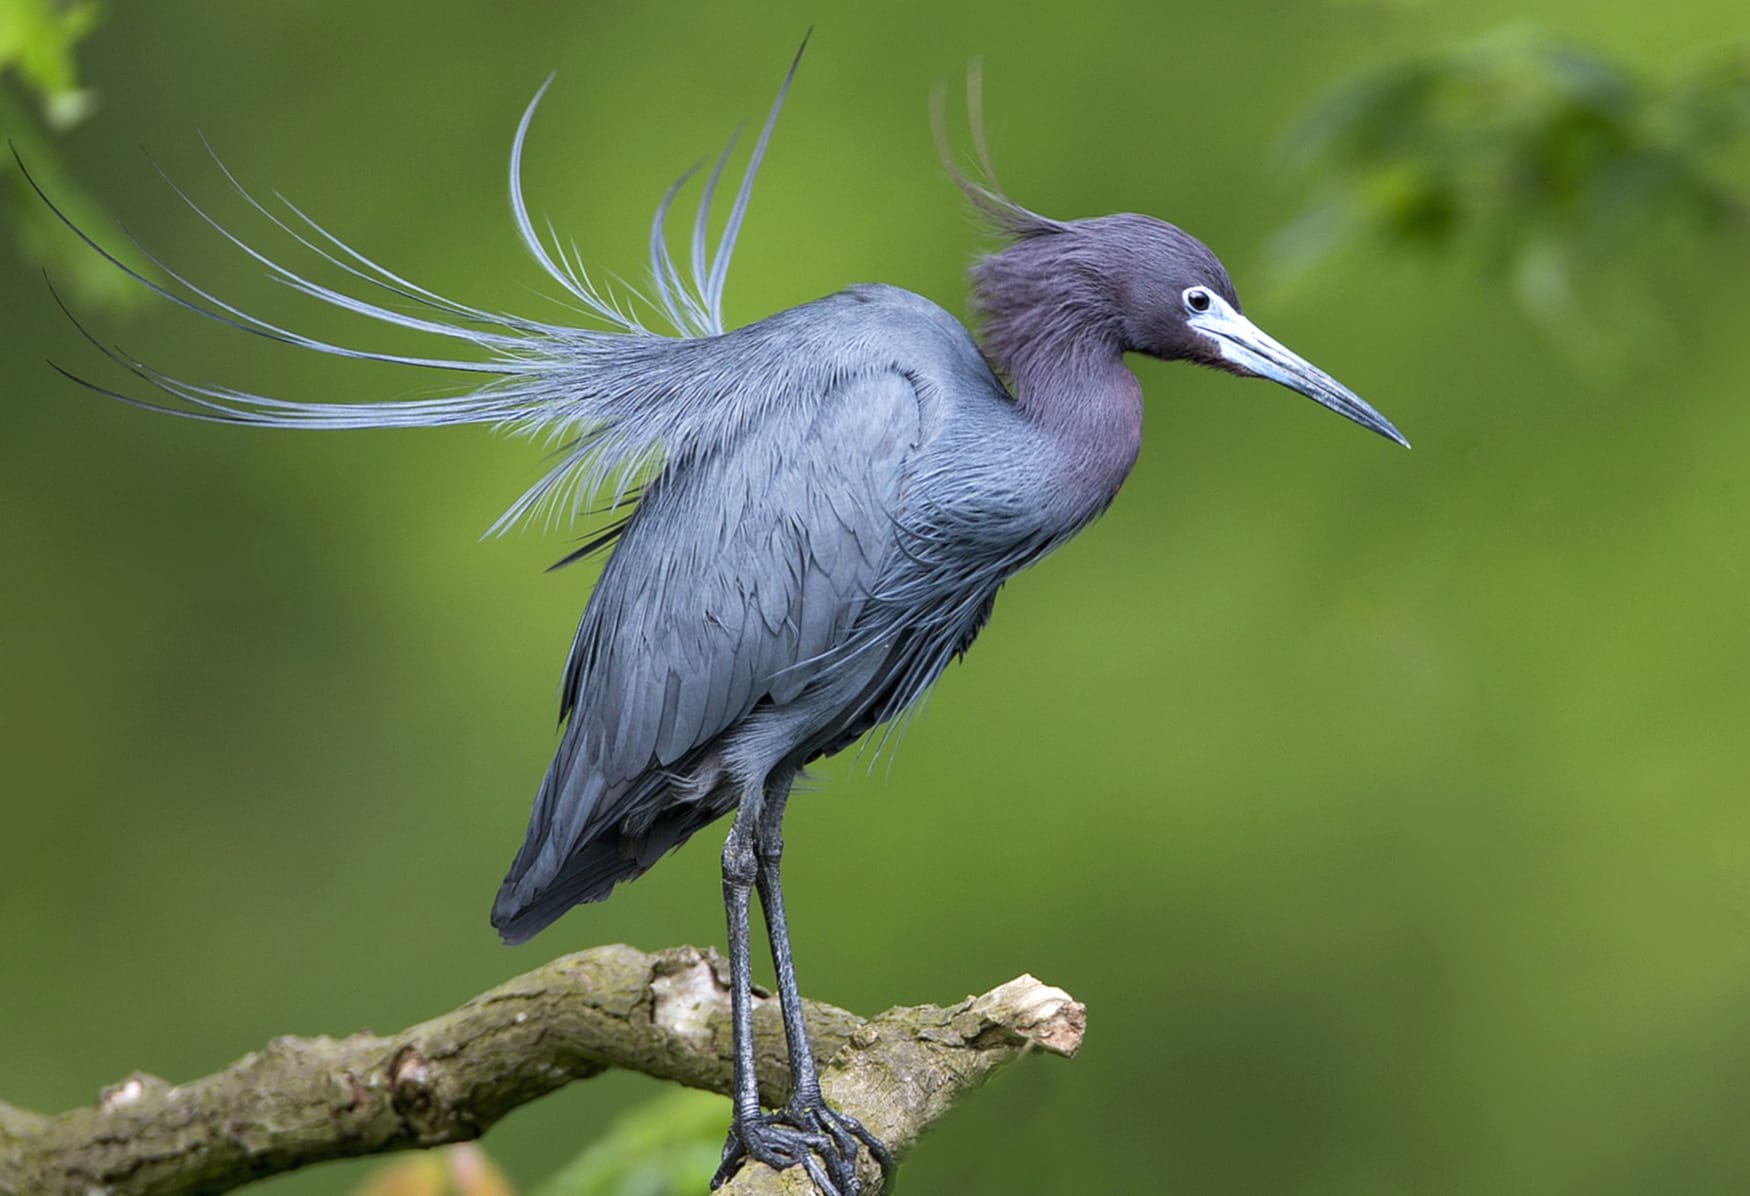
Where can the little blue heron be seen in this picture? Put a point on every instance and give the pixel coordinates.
(824, 506)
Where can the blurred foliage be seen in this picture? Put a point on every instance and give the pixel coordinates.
(37, 38)
(668, 1146)
(1569, 171)
(463, 1170)
(36, 42)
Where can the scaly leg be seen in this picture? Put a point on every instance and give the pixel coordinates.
(806, 1132)
(775, 1139)
(738, 875)
(807, 1105)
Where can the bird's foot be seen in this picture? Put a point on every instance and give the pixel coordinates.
(819, 1139)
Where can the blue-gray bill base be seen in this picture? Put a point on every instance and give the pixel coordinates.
(823, 506)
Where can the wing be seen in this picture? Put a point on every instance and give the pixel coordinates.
(738, 580)
(739, 572)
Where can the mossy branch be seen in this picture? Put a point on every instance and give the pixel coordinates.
(303, 1100)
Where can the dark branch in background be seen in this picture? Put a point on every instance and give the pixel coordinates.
(303, 1100)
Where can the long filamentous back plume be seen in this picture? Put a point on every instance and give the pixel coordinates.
(613, 399)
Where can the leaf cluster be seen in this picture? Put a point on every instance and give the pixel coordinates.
(1545, 162)
(41, 98)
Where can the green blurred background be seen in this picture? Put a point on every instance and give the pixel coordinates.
(1386, 809)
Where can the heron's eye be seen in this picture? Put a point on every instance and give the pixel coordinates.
(1197, 299)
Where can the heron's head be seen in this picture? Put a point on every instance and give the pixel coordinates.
(1175, 301)
(1143, 286)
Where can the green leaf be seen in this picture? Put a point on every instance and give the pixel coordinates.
(37, 39)
(669, 1146)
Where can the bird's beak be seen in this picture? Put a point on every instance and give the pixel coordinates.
(1248, 349)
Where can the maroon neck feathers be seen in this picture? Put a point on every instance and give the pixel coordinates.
(1052, 329)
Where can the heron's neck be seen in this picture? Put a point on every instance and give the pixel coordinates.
(1054, 330)
(1076, 389)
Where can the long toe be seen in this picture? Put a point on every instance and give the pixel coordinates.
(820, 1140)
(771, 1139)
(848, 1133)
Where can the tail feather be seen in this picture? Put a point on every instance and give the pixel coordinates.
(585, 836)
(591, 876)
(535, 893)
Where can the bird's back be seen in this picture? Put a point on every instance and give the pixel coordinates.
(788, 581)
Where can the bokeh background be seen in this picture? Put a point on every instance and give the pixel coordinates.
(1388, 810)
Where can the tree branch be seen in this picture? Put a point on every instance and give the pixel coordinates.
(303, 1100)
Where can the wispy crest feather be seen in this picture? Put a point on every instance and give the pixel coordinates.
(607, 397)
(1000, 213)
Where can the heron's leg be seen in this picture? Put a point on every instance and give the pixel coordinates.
(768, 851)
(779, 1140)
(738, 877)
(806, 1132)
(806, 1101)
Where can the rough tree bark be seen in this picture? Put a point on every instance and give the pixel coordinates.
(303, 1100)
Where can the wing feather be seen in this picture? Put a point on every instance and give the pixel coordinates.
(698, 617)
